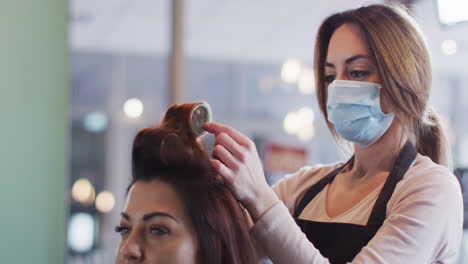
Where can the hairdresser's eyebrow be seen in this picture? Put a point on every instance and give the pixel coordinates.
(349, 60)
(149, 216)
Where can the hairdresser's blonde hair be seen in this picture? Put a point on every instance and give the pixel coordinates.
(398, 47)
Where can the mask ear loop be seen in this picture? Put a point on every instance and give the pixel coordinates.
(171, 145)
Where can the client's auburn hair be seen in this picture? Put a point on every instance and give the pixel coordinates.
(175, 156)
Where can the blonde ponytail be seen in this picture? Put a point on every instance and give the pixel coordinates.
(431, 139)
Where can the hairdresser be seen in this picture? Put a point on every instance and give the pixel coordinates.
(395, 200)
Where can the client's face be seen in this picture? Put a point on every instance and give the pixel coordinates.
(155, 227)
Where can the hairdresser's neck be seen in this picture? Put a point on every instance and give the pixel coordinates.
(381, 155)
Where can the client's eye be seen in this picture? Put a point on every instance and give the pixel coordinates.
(122, 229)
(159, 231)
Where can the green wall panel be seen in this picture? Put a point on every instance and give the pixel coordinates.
(33, 130)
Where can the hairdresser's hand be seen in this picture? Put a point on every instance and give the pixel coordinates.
(236, 159)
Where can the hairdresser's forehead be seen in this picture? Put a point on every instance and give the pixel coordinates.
(154, 196)
(348, 40)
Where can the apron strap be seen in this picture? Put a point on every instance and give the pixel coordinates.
(401, 166)
(316, 188)
(378, 214)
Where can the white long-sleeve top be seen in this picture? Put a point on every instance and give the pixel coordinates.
(424, 218)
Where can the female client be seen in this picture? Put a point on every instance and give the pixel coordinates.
(178, 209)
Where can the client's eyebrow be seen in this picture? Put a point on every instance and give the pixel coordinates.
(149, 216)
(124, 215)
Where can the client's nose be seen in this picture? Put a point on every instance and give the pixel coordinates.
(132, 250)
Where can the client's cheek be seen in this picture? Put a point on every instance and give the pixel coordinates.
(187, 250)
(175, 250)
(119, 259)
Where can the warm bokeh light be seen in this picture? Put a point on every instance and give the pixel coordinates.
(306, 133)
(290, 71)
(105, 202)
(306, 81)
(449, 47)
(83, 191)
(133, 108)
(300, 123)
(290, 123)
(305, 115)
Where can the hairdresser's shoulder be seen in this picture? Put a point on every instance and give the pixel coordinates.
(424, 169)
(428, 180)
(315, 172)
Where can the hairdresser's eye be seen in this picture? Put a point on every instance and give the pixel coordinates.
(159, 231)
(329, 78)
(358, 74)
(122, 229)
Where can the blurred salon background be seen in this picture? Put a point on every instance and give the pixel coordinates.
(78, 79)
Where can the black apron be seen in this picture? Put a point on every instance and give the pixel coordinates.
(341, 242)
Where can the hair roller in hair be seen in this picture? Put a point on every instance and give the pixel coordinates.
(188, 118)
(200, 114)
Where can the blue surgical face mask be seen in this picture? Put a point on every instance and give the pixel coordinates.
(354, 110)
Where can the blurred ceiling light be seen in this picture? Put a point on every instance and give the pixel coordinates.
(449, 47)
(83, 191)
(290, 71)
(452, 11)
(105, 202)
(81, 232)
(95, 122)
(133, 108)
(300, 123)
(305, 115)
(290, 123)
(306, 118)
(307, 81)
(306, 133)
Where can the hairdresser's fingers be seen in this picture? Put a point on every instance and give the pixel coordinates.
(224, 156)
(216, 128)
(212, 127)
(232, 146)
(224, 171)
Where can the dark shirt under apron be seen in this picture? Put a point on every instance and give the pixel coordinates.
(341, 242)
